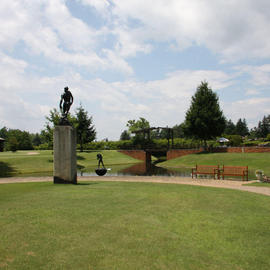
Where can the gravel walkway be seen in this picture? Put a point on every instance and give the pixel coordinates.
(238, 185)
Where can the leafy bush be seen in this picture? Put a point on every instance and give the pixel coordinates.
(43, 146)
(251, 143)
(235, 140)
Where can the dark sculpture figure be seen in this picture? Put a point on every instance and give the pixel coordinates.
(66, 100)
(100, 171)
(100, 160)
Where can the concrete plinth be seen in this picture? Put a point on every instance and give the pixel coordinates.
(65, 161)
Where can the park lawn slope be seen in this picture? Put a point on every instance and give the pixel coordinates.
(41, 162)
(254, 161)
(116, 225)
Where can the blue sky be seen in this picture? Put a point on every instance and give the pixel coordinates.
(125, 59)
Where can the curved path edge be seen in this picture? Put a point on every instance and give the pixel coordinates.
(238, 185)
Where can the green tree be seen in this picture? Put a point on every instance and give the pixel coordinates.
(13, 144)
(52, 121)
(241, 127)
(125, 135)
(204, 119)
(4, 133)
(36, 139)
(139, 140)
(178, 131)
(134, 125)
(85, 129)
(229, 127)
(23, 139)
(263, 127)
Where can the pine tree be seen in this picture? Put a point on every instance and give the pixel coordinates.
(230, 128)
(241, 127)
(264, 127)
(204, 119)
(85, 129)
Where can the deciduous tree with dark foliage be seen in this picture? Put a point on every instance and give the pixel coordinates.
(125, 135)
(204, 119)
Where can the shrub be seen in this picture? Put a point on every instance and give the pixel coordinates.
(235, 140)
(43, 146)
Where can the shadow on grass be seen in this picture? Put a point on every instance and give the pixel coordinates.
(86, 184)
(80, 157)
(6, 170)
(203, 153)
(80, 167)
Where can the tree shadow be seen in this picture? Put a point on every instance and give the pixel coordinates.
(86, 184)
(6, 170)
(204, 152)
(80, 157)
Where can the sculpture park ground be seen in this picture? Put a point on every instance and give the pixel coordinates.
(136, 224)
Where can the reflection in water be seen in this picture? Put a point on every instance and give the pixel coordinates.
(143, 169)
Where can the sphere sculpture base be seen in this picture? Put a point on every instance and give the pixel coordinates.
(101, 172)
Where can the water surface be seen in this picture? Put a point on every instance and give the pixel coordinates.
(139, 169)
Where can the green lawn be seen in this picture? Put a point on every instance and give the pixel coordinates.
(41, 162)
(116, 225)
(258, 184)
(254, 161)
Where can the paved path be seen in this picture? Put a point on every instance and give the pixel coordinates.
(238, 185)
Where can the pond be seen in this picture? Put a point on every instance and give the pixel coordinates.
(139, 169)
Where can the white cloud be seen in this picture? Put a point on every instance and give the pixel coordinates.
(252, 109)
(234, 29)
(47, 28)
(252, 92)
(162, 102)
(260, 75)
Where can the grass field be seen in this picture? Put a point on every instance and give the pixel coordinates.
(41, 162)
(254, 161)
(115, 225)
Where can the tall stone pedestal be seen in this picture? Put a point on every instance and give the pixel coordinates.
(65, 161)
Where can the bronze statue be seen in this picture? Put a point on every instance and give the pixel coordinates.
(100, 171)
(100, 160)
(65, 104)
(68, 100)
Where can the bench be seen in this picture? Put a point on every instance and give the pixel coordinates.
(206, 169)
(234, 171)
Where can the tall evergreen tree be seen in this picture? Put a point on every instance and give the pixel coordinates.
(85, 129)
(241, 127)
(204, 119)
(229, 128)
(52, 121)
(264, 127)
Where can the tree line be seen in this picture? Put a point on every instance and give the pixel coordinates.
(23, 140)
(204, 120)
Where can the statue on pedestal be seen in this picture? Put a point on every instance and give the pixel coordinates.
(100, 171)
(66, 100)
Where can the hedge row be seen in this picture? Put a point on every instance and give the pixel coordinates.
(179, 143)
